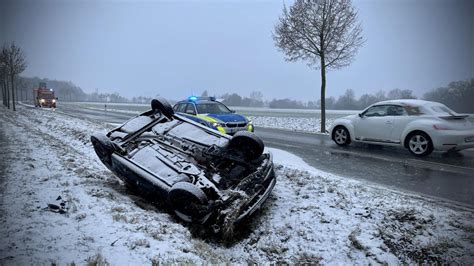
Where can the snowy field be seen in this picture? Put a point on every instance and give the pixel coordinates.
(288, 119)
(311, 216)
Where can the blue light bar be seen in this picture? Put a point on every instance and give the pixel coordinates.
(196, 98)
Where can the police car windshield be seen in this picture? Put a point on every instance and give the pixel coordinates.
(212, 108)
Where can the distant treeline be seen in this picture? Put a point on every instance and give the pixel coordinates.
(67, 91)
(458, 95)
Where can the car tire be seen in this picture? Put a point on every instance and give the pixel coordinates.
(188, 202)
(341, 136)
(248, 144)
(163, 106)
(419, 144)
(103, 147)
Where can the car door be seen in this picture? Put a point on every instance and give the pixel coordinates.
(374, 125)
(399, 118)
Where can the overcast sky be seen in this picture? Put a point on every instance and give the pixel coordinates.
(175, 48)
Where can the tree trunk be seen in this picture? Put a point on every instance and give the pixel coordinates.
(323, 95)
(4, 96)
(13, 91)
(8, 95)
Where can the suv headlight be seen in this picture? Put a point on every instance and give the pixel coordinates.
(54, 100)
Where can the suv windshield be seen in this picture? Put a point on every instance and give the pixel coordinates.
(212, 108)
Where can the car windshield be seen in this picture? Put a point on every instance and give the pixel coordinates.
(212, 108)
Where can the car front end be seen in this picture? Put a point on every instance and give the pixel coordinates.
(234, 124)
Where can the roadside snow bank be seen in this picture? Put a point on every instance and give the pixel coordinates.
(311, 217)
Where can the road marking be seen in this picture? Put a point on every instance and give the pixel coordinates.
(443, 164)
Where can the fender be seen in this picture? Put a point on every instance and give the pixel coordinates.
(425, 125)
(347, 122)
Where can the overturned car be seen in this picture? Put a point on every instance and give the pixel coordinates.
(204, 176)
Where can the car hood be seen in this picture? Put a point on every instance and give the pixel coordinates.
(228, 117)
(348, 117)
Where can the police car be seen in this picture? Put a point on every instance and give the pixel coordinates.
(214, 114)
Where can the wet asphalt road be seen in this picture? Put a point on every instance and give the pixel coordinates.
(446, 176)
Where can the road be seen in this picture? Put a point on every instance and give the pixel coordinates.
(440, 175)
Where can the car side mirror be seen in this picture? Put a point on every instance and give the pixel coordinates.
(57, 98)
(360, 115)
(232, 111)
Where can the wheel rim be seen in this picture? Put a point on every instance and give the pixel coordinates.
(418, 144)
(341, 136)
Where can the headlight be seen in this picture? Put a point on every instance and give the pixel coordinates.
(54, 100)
(216, 124)
(42, 100)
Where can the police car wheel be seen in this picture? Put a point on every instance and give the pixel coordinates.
(163, 106)
(249, 145)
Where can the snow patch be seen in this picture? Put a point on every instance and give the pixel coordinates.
(311, 216)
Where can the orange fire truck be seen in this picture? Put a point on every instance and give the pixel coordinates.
(44, 97)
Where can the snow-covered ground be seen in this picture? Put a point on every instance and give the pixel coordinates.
(288, 119)
(302, 124)
(311, 217)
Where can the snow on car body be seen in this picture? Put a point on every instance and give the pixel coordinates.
(421, 126)
(205, 176)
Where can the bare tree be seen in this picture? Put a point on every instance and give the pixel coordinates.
(325, 33)
(3, 80)
(14, 61)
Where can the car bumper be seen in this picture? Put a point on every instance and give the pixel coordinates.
(233, 130)
(258, 198)
(446, 140)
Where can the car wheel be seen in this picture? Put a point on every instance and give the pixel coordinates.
(103, 147)
(420, 144)
(189, 202)
(248, 144)
(163, 106)
(341, 136)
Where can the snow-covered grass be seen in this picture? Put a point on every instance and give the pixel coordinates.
(288, 119)
(311, 217)
(302, 124)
